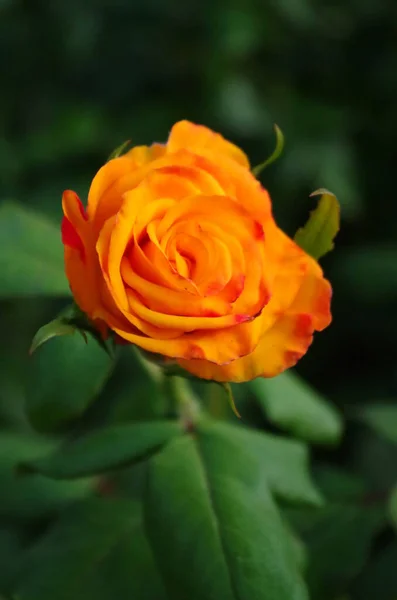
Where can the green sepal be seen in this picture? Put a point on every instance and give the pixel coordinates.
(119, 150)
(69, 321)
(230, 397)
(50, 330)
(275, 154)
(316, 237)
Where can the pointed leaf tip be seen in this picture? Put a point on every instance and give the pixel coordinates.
(68, 321)
(48, 331)
(119, 150)
(316, 237)
(276, 152)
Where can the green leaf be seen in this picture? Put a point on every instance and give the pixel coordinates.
(337, 536)
(103, 450)
(340, 536)
(316, 237)
(382, 418)
(35, 496)
(340, 485)
(297, 547)
(77, 546)
(338, 539)
(275, 154)
(31, 259)
(64, 379)
(281, 462)
(127, 572)
(212, 535)
(290, 403)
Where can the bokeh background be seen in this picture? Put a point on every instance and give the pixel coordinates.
(77, 78)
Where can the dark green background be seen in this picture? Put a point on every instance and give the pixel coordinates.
(77, 78)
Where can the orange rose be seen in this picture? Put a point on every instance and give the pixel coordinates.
(178, 253)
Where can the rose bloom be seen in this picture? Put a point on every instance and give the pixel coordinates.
(178, 253)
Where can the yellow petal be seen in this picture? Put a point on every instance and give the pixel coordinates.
(142, 155)
(218, 346)
(285, 334)
(198, 138)
(181, 323)
(172, 302)
(280, 348)
(112, 181)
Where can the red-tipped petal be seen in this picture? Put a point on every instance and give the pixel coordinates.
(70, 237)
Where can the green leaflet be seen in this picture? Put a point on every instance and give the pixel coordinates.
(103, 450)
(95, 550)
(212, 533)
(293, 405)
(316, 237)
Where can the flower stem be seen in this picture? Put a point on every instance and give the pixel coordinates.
(183, 400)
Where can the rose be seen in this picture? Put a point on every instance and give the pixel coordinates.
(179, 254)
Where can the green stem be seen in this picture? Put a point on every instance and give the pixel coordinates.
(183, 400)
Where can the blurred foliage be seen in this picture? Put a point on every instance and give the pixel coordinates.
(79, 78)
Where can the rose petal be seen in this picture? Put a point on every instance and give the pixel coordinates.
(279, 349)
(71, 238)
(208, 321)
(169, 301)
(285, 337)
(218, 346)
(197, 137)
(142, 155)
